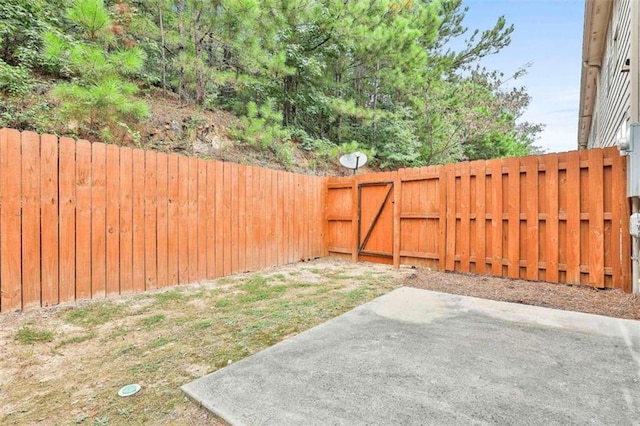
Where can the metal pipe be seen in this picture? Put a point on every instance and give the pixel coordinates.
(635, 250)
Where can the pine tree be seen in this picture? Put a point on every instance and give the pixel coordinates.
(98, 93)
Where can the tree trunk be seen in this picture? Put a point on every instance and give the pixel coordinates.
(288, 108)
(181, 84)
(164, 54)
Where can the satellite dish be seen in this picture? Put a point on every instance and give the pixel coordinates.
(353, 161)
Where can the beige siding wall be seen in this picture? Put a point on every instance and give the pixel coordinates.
(611, 110)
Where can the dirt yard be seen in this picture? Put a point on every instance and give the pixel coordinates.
(65, 364)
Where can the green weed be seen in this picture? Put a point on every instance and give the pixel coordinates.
(95, 314)
(28, 335)
(78, 339)
(150, 322)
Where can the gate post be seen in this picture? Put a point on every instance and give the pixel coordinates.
(397, 204)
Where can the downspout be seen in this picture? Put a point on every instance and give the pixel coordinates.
(634, 117)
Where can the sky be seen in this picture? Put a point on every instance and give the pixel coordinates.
(548, 33)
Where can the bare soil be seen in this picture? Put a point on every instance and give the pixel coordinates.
(609, 302)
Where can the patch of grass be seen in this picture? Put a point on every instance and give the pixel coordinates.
(77, 339)
(337, 275)
(355, 294)
(96, 314)
(79, 419)
(257, 288)
(279, 277)
(203, 324)
(29, 335)
(160, 341)
(223, 303)
(120, 331)
(101, 421)
(152, 321)
(172, 295)
(126, 349)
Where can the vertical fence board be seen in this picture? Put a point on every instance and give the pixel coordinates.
(573, 218)
(151, 220)
(442, 219)
(192, 225)
(596, 218)
(30, 174)
(290, 218)
(67, 226)
(49, 218)
(280, 218)
(138, 220)
(112, 193)
(10, 244)
(242, 224)
(450, 177)
(235, 231)
(272, 253)
(226, 218)
(262, 225)
(126, 220)
(617, 187)
(625, 239)
(219, 220)
(183, 220)
(397, 217)
(211, 219)
(203, 219)
(268, 216)
(531, 166)
(162, 196)
(551, 222)
(513, 242)
(173, 220)
(98, 220)
(481, 222)
(463, 204)
(83, 219)
(249, 225)
(496, 217)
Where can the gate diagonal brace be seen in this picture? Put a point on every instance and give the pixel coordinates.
(375, 218)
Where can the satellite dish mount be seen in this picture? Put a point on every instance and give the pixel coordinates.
(353, 161)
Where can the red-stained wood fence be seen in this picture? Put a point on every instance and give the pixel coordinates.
(559, 218)
(85, 220)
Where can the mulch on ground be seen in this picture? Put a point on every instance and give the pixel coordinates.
(609, 302)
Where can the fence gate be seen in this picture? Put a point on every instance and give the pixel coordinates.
(375, 221)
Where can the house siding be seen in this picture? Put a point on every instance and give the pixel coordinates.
(612, 101)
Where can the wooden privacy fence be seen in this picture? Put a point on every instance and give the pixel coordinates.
(556, 218)
(81, 220)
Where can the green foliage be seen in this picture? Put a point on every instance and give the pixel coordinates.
(22, 113)
(92, 17)
(306, 73)
(14, 80)
(99, 95)
(261, 127)
(494, 145)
